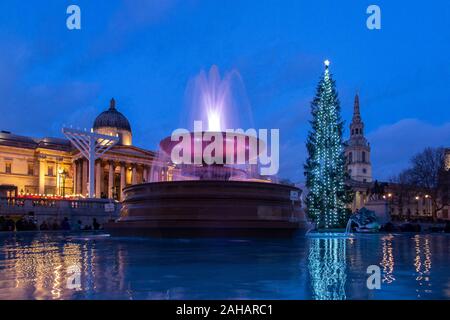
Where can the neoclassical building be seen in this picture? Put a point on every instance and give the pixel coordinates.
(52, 166)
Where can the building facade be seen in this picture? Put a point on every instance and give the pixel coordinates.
(444, 185)
(402, 201)
(52, 166)
(357, 152)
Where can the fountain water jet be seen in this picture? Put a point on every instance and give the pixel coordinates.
(210, 199)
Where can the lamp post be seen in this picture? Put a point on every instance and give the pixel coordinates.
(417, 199)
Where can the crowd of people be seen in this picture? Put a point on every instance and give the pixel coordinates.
(28, 223)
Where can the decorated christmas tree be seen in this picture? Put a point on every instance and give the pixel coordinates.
(325, 167)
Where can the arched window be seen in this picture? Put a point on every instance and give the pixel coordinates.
(363, 156)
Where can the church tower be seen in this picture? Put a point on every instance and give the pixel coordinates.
(357, 149)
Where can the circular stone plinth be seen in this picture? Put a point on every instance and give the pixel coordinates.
(209, 207)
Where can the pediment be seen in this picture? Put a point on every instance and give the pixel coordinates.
(131, 151)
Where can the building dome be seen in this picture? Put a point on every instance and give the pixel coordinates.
(112, 118)
(114, 122)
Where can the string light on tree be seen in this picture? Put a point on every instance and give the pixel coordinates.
(325, 166)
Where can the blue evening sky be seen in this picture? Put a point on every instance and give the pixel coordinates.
(144, 52)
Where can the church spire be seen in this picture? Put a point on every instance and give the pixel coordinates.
(357, 125)
(356, 111)
(357, 148)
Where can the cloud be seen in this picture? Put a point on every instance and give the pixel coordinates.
(393, 145)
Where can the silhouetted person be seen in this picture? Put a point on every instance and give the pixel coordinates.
(95, 224)
(20, 225)
(79, 225)
(55, 225)
(9, 224)
(65, 225)
(44, 226)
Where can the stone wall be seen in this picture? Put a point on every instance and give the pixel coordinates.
(50, 210)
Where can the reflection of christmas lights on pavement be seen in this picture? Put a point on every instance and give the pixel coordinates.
(388, 259)
(423, 269)
(327, 268)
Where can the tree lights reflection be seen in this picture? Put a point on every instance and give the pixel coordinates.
(327, 268)
(422, 263)
(387, 262)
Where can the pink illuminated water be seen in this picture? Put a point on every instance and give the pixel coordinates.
(220, 102)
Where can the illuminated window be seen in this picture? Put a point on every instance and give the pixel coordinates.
(8, 167)
(50, 172)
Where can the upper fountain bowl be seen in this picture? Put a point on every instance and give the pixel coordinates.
(236, 147)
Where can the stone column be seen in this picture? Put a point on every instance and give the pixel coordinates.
(85, 178)
(79, 176)
(134, 175)
(58, 178)
(122, 179)
(111, 179)
(145, 175)
(98, 179)
(74, 177)
(41, 176)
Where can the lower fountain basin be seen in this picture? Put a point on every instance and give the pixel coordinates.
(209, 208)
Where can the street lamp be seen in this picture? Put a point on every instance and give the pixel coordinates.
(417, 210)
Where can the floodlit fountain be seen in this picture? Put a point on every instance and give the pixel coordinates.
(220, 192)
